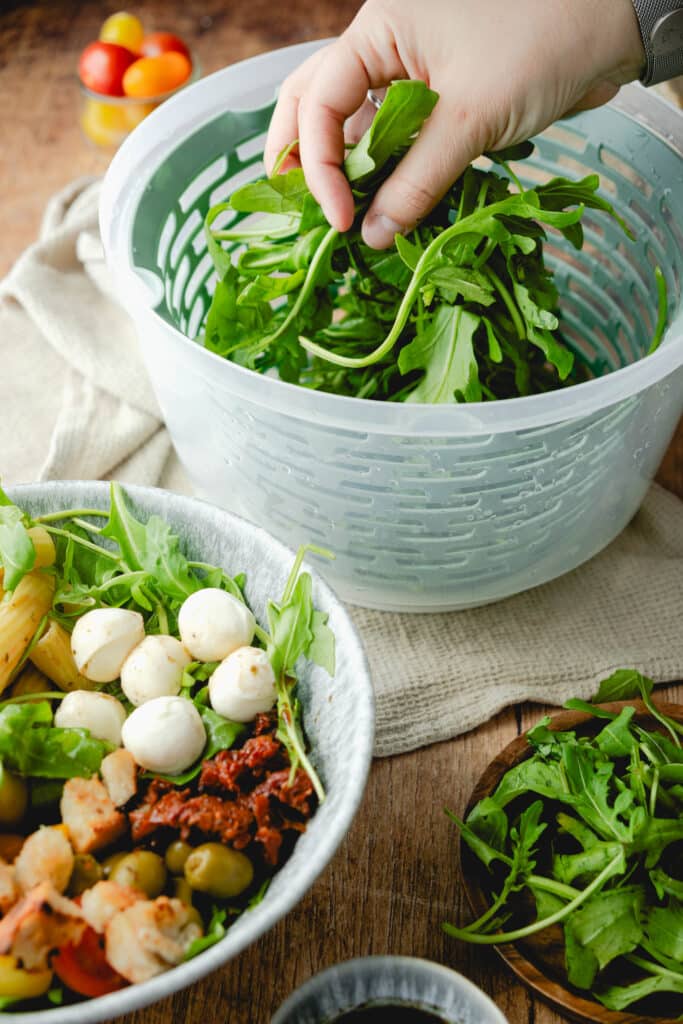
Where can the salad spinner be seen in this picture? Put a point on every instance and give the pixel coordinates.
(427, 507)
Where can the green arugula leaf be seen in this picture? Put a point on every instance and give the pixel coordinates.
(283, 193)
(17, 553)
(605, 927)
(445, 351)
(616, 739)
(32, 746)
(664, 929)
(623, 684)
(665, 885)
(619, 997)
(214, 933)
(406, 105)
(151, 547)
(584, 866)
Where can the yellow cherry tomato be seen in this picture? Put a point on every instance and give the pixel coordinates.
(17, 983)
(137, 112)
(125, 29)
(153, 76)
(105, 124)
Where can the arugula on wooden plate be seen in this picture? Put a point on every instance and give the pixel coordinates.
(589, 831)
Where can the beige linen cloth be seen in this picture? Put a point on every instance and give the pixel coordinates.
(76, 403)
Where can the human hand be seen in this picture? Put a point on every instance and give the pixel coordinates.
(503, 72)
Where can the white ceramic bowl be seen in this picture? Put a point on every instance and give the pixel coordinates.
(339, 719)
(405, 980)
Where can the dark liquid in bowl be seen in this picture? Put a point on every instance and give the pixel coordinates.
(388, 1013)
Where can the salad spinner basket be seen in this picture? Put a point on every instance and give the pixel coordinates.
(426, 507)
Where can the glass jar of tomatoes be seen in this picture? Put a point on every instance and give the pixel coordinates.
(125, 74)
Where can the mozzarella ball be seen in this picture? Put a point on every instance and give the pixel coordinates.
(165, 735)
(243, 685)
(154, 669)
(213, 624)
(102, 640)
(100, 713)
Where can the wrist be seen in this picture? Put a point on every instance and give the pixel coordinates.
(631, 56)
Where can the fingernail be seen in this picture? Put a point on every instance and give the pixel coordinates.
(378, 230)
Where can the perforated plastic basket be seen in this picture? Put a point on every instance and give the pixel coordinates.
(426, 507)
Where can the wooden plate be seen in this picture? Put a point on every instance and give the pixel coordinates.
(539, 961)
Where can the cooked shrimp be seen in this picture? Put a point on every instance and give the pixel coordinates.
(46, 856)
(149, 937)
(39, 923)
(104, 900)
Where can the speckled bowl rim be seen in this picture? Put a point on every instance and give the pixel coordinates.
(137, 996)
(422, 974)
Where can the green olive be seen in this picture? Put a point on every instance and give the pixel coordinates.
(110, 862)
(13, 798)
(182, 890)
(142, 870)
(218, 870)
(85, 873)
(176, 855)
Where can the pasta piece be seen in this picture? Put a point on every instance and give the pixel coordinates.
(44, 545)
(30, 680)
(19, 619)
(52, 655)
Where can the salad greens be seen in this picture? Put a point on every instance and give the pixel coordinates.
(589, 830)
(463, 309)
(32, 746)
(130, 564)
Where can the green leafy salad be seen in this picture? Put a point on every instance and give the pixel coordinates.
(461, 309)
(154, 769)
(587, 833)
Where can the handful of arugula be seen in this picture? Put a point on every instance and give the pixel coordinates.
(463, 309)
(599, 853)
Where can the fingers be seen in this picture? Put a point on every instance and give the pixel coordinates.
(338, 88)
(448, 142)
(284, 124)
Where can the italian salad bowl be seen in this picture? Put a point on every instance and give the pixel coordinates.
(337, 711)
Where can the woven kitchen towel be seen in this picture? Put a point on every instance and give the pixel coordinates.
(76, 403)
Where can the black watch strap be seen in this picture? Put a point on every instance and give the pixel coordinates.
(661, 27)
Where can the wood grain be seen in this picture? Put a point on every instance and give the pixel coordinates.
(396, 877)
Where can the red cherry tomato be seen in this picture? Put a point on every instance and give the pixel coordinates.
(102, 66)
(162, 42)
(154, 76)
(84, 969)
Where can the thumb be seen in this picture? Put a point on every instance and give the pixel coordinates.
(448, 142)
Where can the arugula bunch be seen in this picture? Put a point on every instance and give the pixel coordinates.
(598, 849)
(463, 309)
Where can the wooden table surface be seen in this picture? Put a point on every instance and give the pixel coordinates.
(396, 877)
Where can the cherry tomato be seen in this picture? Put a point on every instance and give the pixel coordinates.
(104, 123)
(84, 969)
(102, 65)
(125, 29)
(153, 76)
(162, 42)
